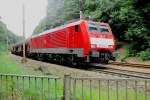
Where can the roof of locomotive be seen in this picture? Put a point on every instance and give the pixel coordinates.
(58, 28)
(73, 23)
(98, 23)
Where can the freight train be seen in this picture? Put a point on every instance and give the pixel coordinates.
(78, 42)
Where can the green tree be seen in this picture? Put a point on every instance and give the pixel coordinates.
(6, 35)
(71, 9)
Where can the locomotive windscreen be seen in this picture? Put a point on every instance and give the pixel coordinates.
(98, 28)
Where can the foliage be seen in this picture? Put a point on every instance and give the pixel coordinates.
(145, 55)
(138, 31)
(2, 32)
(55, 12)
(137, 34)
(71, 9)
(41, 27)
(6, 35)
(57, 15)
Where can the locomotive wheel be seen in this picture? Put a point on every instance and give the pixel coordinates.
(74, 63)
(61, 60)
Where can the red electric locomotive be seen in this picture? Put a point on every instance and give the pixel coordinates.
(77, 42)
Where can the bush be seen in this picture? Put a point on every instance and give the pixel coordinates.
(145, 55)
(130, 48)
(137, 43)
(119, 44)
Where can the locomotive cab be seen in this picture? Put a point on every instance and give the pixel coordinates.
(101, 41)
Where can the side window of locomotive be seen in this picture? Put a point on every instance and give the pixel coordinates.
(76, 28)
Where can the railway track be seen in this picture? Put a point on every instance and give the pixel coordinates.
(125, 70)
(130, 65)
(122, 73)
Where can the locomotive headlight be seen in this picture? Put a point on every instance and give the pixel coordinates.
(110, 46)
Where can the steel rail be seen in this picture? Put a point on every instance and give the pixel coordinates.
(124, 73)
(130, 64)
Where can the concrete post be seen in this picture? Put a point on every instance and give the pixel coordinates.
(67, 87)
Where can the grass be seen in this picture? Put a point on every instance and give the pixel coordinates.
(101, 93)
(7, 65)
(19, 89)
(39, 90)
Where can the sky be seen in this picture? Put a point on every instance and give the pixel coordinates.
(11, 14)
